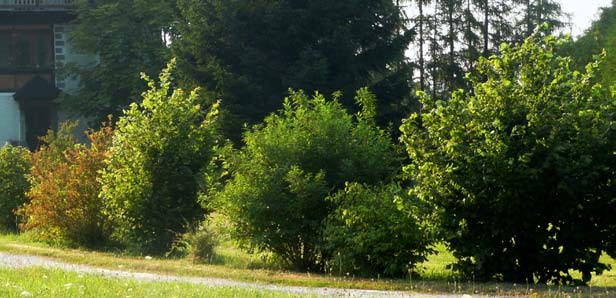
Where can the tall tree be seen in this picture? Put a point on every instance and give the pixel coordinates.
(486, 27)
(470, 38)
(449, 12)
(535, 13)
(496, 26)
(127, 38)
(421, 20)
(250, 53)
(436, 65)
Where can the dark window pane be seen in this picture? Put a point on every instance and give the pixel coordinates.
(44, 48)
(24, 51)
(5, 49)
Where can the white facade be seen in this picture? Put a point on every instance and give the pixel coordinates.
(10, 120)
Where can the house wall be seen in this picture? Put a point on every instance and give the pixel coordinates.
(66, 54)
(12, 125)
(10, 119)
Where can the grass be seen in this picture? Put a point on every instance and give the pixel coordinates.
(235, 264)
(38, 282)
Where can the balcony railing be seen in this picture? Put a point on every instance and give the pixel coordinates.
(35, 4)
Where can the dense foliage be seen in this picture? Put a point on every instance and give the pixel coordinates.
(377, 230)
(14, 166)
(521, 170)
(250, 53)
(290, 164)
(515, 170)
(64, 205)
(160, 147)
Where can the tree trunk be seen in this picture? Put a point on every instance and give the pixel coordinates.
(451, 38)
(468, 32)
(486, 28)
(529, 25)
(422, 83)
(539, 13)
(434, 58)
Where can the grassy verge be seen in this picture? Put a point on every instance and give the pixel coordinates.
(237, 265)
(37, 282)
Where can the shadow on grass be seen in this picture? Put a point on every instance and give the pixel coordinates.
(234, 263)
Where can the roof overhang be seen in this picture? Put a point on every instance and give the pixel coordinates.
(37, 90)
(35, 17)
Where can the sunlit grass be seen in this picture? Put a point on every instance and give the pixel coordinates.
(234, 263)
(38, 282)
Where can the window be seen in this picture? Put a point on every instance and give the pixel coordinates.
(44, 51)
(5, 49)
(23, 53)
(26, 49)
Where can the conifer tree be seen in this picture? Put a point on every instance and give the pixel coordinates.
(249, 53)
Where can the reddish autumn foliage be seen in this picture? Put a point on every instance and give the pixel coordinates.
(64, 201)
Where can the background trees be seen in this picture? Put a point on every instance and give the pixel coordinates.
(600, 36)
(250, 53)
(455, 33)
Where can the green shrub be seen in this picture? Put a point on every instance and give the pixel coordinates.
(198, 244)
(14, 166)
(64, 204)
(291, 163)
(521, 170)
(377, 231)
(160, 147)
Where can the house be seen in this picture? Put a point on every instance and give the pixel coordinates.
(34, 47)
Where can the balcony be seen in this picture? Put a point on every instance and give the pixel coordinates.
(35, 5)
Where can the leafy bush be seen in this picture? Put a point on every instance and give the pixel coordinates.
(198, 244)
(64, 203)
(522, 169)
(160, 147)
(290, 164)
(377, 230)
(14, 166)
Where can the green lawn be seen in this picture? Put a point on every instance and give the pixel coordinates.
(233, 263)
(41, 283)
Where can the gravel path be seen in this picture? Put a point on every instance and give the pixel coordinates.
(16, 261)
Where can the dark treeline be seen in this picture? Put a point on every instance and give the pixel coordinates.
(248, 54)
(453, 34)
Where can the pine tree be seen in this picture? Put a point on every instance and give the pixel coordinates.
(449, 11)
(535, 13)
(421, 20)
(250, 52)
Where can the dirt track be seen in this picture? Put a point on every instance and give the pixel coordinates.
(16, 261)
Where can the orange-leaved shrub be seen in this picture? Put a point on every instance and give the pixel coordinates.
(64, 198)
